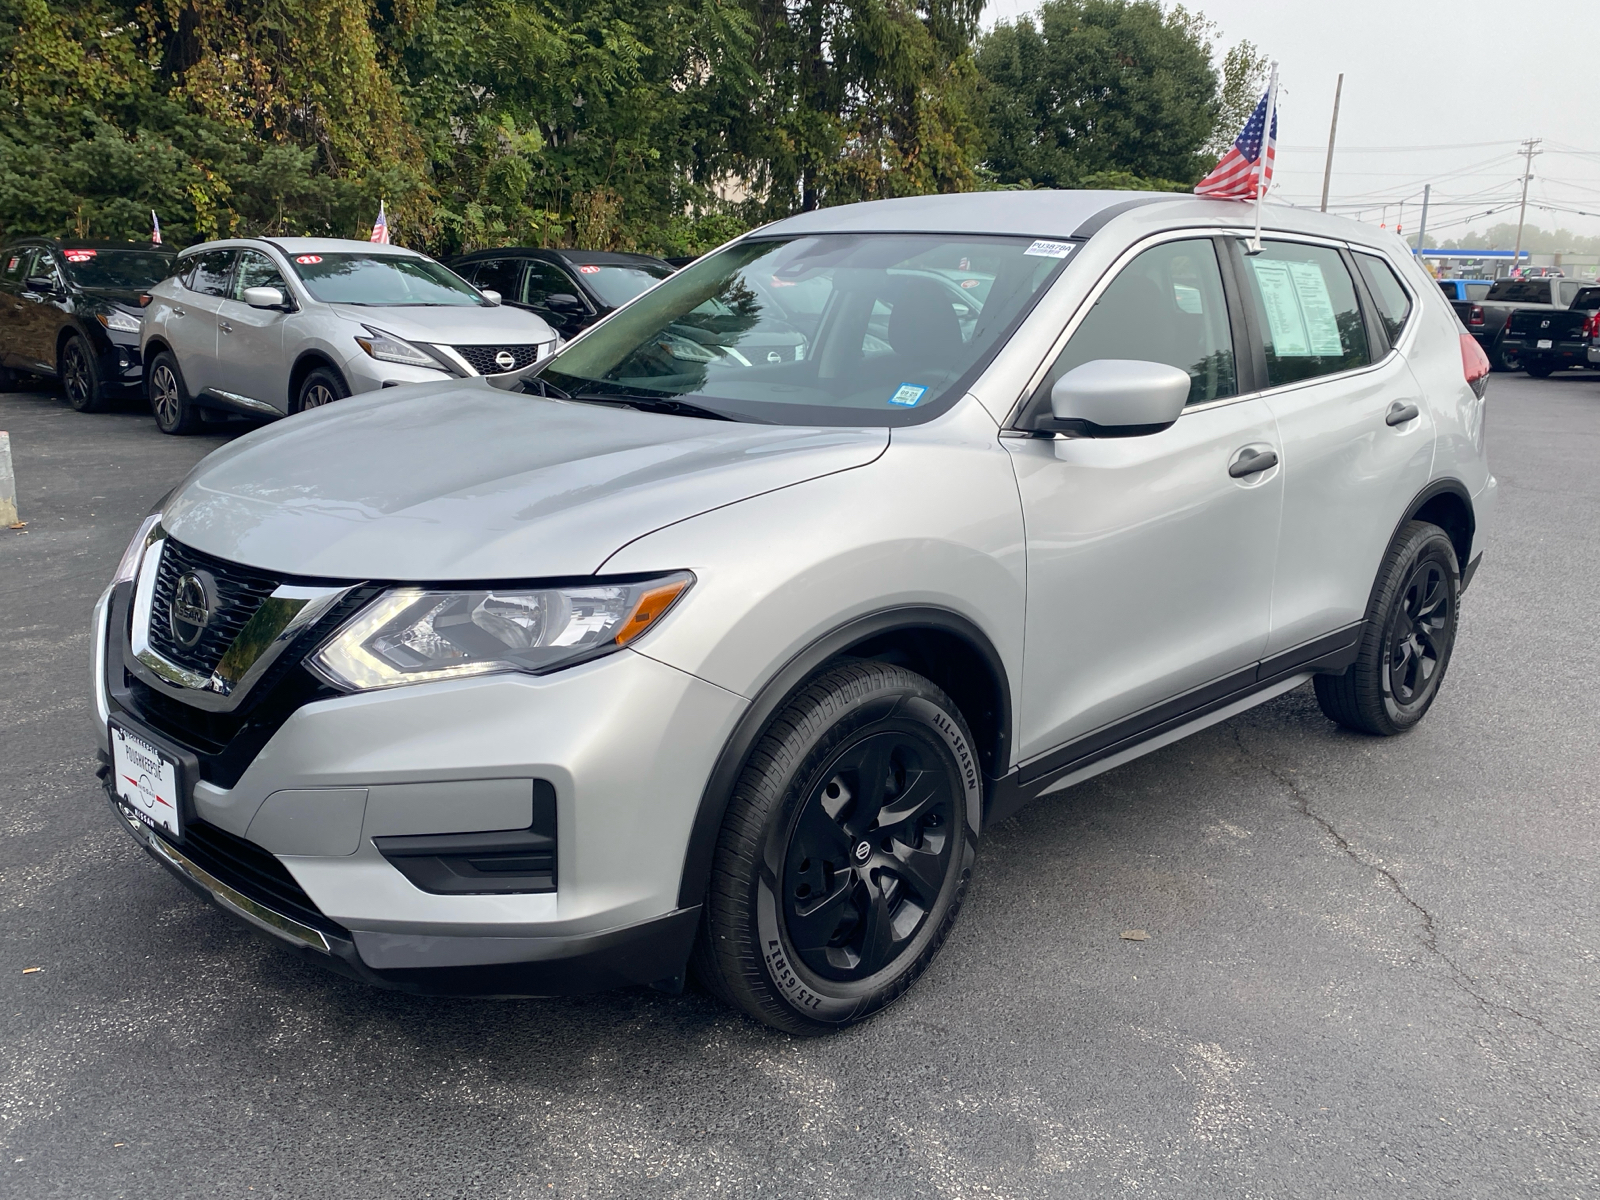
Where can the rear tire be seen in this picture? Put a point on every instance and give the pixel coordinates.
(1539, 368)
(319, 388)
(1406, 640)
(80, 378)
(845, 852)
(174, 409)
(1502, 359)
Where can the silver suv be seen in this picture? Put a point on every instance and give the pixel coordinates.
(271, 326)
(682, 655)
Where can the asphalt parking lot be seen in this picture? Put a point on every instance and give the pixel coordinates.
(1371, 967)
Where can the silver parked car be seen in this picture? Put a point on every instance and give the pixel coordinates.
(676, 656)
(272, 326)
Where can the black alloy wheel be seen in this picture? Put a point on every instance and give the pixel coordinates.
(845, 851)
(174, 411)
(1406, 642)
(869, 854)
(319, 388)
(80, 381)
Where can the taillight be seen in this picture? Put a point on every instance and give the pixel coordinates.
(1474, 364)
(1475, 315)
(1591, 325)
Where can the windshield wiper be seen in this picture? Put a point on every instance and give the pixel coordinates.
(655, 404)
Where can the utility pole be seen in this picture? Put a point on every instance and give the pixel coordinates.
(1529, 149)
(1422, 227)
(1333, 129)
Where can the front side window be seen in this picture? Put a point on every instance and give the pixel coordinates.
(616, 285)
(256, 270)
(895, 337)
(545, 280)
(1306, 304)
(124, 270)
(211, 273)
(1391, 297)
(1166, 306)
(383, 281)
(45, 267)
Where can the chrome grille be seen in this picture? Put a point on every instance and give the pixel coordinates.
(235, 593)
(482, 358)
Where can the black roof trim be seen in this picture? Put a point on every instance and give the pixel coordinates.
(1098, 222)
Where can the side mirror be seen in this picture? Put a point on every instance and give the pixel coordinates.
(489, 294)
(263, 297)
(1117, 397)
(42, 284)
(564, 301)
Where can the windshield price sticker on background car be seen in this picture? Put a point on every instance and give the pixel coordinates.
(308, 259)
(589, 270)
(1043, 249)
(78, 256)
(907, 395)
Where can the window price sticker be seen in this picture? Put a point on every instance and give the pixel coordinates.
(308, 259)
(77, 256)
(589, 270)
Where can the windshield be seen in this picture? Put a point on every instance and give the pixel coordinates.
(382, 280)
(131, 269)
(836, 329)
(616, 285)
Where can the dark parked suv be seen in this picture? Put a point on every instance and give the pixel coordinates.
(72, 311)
(570, 289)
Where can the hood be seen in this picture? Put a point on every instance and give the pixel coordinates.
(127, 298)
(450, 325)
(432, 482)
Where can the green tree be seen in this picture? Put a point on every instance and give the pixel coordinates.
(1095, 90)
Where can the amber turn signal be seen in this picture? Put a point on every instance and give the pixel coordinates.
(650, 608)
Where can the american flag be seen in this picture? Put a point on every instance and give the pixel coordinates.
(1235, 175)
(155, 229)
(380, 227)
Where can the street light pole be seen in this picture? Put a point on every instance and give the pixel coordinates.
(1333, 129)
(1529, 149)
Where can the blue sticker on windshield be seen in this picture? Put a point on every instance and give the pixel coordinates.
(908, 394)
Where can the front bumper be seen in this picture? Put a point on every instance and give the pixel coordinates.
(625, 742)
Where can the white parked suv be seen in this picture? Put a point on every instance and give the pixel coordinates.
(681, 656)
(272, 326)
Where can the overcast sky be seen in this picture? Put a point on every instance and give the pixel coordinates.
(1435, 91)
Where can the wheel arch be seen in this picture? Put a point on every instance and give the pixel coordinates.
(1447, 504)
(938, 643)
(307, 362)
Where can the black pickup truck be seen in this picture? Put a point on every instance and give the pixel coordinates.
(1544, 341)
(1486, 320)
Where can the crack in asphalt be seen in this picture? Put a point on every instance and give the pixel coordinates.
(1430, 937)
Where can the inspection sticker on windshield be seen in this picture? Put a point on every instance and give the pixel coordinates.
(1049, 249)
(907, 395)
(308, 259)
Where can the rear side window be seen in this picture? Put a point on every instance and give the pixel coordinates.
(16, 268)
(1306, 304)
(1166, 306)
(211, 271)
(1520, 291)
(1391, 297)
(1569, 292)
(503, 275)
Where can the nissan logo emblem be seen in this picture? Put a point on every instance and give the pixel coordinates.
(505, 360)
(863, 851)
(190, 611)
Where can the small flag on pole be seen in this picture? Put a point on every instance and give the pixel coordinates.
(380, 228)
(1247, 166)
(155, 229)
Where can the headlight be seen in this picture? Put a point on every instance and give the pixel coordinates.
(128, 568)
(120, 322)
(411, 635)
(385, 347)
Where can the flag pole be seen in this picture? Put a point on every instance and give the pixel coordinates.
(1261, 161)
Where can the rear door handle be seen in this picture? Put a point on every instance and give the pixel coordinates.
(1251, 461)
(1400, 412)
(225, 327)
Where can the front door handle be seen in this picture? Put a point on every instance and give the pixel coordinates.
(1400, 412)
(178, 312)
(225, 327)
(1251, 461)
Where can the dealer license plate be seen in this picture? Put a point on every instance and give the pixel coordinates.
(1544, 344)
(146, 781)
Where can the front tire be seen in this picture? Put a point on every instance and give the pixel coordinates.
(322, 386)
(845, 852)
(80, 379)
(174, 410)
(1406, 643)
